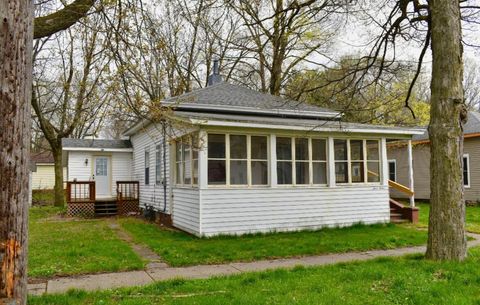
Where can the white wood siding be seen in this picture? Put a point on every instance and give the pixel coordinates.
(120, 167)
(151, 194)
(238, 211)
(186, 211)
(44, 177)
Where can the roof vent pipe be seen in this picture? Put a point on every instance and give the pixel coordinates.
(215, 77)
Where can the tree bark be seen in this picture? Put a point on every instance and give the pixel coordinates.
(16, 39)
(446, 234)
(59, 190)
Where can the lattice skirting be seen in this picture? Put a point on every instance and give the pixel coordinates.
(126, 207)
(84, 209)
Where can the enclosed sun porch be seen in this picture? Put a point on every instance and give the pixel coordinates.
(235, 180)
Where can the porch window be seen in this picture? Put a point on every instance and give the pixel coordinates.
(235, 159)
(238, 159)
(147, 167)
(217, 173)
(186, 161)
(373, 160)
(259, 160)
(284, 161)
(158, 165)
(466, 170)
(301, 161)
(319, 161)
(341, 161)
(357, 161)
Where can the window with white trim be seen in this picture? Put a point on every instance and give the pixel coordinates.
(158, 165)
(301, 161)
(147, 167)
(186, 161)
(237, 159)
(466, 170)
(392, 170)
(357, 161)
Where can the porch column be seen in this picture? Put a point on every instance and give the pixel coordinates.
(331, 163)
(384, 158)
(273, 160)
(202, 160)
(410, 172)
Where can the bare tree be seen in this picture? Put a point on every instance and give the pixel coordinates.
(16, 35)
(69, 93)
(280, 35)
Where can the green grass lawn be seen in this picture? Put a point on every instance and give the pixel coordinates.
(43, 197)
(74, 247)
(406, 280)
(180, 249)
(472, 216)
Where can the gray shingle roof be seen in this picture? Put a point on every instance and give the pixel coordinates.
(233, 97)
(472, 126)
(95, 143)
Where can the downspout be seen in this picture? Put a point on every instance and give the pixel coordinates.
(164, 167)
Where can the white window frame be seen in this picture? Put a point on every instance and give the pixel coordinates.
(249, 161)
(192, 183)
(394, 161)
(146, 165)
(466, 156)
(365, 161)
(158, 164)
(310, 161)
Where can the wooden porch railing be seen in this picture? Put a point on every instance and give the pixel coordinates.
(80, 191)
(128, 190)
(80, 198)
(128, 195)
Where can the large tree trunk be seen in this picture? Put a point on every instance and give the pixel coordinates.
(59, 191)
(16, 33)
(446, 234)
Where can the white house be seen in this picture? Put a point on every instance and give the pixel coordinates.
(102, 161)
(240, 161)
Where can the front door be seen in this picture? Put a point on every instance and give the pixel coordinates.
(102, 177)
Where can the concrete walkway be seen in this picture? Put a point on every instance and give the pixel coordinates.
(161, 272)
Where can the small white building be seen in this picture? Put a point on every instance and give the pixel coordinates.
(102, 161)
(239, 161)
(42, 171)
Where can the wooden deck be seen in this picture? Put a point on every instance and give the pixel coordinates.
(82, 201)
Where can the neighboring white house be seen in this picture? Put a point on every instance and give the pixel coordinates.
(239, 161)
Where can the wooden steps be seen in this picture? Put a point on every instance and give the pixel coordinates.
(106, 208)
(401, 214)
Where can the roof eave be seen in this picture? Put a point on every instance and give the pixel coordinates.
(106, 149)
(219, 123)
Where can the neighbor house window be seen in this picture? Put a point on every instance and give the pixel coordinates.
(147, 167)
(301, 161)
(237, 159)
(186, 161)
(392, 170)
(357, 161)
(466, 170)
(158, 165)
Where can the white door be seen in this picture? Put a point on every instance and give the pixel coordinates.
(102, 177)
